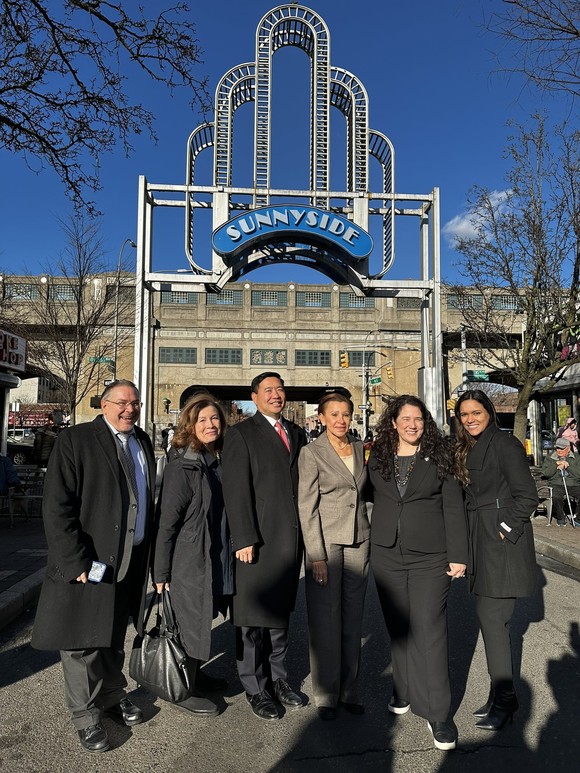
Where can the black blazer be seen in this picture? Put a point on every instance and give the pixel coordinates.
(429, 518)
(260, 486)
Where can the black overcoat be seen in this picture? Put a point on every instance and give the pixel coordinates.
(501, 497)
(86, 507)
(182, 549)
(260, 481)
(429, 518)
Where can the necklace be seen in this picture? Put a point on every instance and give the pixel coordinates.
(340, 447)
(403, 481)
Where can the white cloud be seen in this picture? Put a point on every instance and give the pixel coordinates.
(464, 225)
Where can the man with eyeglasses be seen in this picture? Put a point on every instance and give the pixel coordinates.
(97, 510)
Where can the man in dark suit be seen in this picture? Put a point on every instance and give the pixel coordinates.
(260, 480)
(97, 504)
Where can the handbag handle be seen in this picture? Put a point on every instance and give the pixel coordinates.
(168, 624)
(154, 598)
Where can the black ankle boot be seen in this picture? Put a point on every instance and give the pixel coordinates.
(483, 711)
(503, 707)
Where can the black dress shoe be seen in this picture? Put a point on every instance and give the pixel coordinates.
(444, 735)
(94, 738)
(286, 695)
(353, 708)
(201, 707)
(209, 683)
(126, 712)
(263, 706)
(327, 713)
(498, 716)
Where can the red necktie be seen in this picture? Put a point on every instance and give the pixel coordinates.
(282, 434)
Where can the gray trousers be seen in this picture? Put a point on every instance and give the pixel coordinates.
(93, 681)
(335, 613)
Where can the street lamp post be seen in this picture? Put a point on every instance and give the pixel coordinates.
(117, 288)
(365, 381)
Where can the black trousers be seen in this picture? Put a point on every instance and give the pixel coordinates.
(260, 656)
(93, 677)
(559, 499)
(413, 589)
(494, 617)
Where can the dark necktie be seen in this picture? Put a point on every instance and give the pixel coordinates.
(282, 434)
(130, 462)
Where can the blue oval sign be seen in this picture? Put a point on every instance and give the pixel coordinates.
(303, 225)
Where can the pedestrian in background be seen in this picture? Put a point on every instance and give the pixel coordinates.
(97, 507)
(501, 498)
(335, 527)
(570, 433)
(193, 554)
(561, 469)
(418, 545)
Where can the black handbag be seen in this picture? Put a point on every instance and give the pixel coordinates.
(158, 661)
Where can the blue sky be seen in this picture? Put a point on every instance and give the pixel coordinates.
(434, 86)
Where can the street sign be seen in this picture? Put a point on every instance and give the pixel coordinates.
(375, 380)
(362, 407)
(476, 375)
(100, 359)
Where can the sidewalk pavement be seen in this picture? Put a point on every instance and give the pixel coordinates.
(23, 558)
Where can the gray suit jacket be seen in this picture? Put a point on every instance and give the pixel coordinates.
(330, 499)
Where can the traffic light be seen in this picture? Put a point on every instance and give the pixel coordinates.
(389, 372)
(451, 404)
(166, 403)
(344, 359)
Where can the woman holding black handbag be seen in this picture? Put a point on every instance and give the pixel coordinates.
(193, 558)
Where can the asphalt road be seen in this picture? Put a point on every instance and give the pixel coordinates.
(36, 736)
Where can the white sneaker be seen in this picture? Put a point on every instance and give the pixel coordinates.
(397, 706)
(444, 735)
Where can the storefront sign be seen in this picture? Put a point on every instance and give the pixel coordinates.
(12, 352)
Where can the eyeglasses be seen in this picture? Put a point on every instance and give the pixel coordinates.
(135, 404)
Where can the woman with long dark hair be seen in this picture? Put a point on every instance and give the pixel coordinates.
(501, 497)
(418, 544)
(193, 553)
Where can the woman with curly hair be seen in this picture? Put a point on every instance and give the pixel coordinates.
(193, 553)
(501, 497)
(418, 544)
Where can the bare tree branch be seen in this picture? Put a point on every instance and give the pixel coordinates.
(521, 298)
(64, 70)
(547, 38)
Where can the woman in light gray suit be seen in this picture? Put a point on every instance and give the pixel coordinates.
(335, 526)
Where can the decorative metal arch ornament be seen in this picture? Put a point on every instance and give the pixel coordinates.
(296, 25)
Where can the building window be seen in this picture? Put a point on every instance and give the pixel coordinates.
(63, 292)
(21, 292)
(268, 357)
(409, 303)
(177, 355)
(464, 301)
(269, 298)
(352, 301)
(506, 303)
(223, 356)
(126, 293)
(178, 298)
(313, 300)
(226, 298)
(312, 357)
(355, 359)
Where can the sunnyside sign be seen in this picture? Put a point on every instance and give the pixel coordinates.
(291, 223)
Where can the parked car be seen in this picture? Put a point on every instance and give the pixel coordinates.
(20, 435)
(547, 440)
(20, 452)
